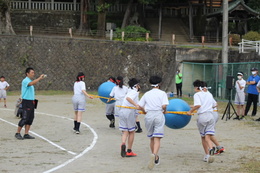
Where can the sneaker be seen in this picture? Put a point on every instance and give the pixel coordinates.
(112, 124)
(77, 132)
(5, 106)
(151, 162)
(220, 150)
(210, 159)
(131, 154)
(205, 159)
(242, 118)
(212, 151)
(27, 136)
(253, 115)
(18, 136)
(257, 119)
(236, 118)
(139, 131)
(157, 161)
(123, 153)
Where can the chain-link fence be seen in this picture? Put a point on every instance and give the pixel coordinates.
(215, 75)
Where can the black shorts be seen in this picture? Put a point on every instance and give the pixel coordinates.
(28, 111)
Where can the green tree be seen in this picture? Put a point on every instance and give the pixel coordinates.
(5, 18)
(84, 8)
(254, 24)
(128, 10)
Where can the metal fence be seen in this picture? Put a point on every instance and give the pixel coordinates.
(215, 75)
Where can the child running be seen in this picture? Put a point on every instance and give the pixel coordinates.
(127, 118)
(218, 149)
(118, 92)
(110, 108)
(204, 103)
(79, 100)
(3, 87)
(154, 103)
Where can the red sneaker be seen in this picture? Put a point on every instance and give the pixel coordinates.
(131, 154)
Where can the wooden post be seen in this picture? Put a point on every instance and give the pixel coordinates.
(31, 30)
(202, 40)
(70, 32)
(123, 36)
(173, 38)
(111, 34)
(230, 41)
(147, 37)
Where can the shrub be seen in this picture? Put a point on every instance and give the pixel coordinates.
(132, 33)
(252, 35)
(235, 39)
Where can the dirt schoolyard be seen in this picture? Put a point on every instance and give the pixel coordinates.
(97, 148)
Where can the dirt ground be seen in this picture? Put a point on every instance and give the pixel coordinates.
(97, 148)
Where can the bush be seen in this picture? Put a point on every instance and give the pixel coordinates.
(235, 39)
(132, 33)
(252, 36)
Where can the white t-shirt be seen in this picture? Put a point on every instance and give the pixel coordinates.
(242, 83)
(205, 100)
(153, 100)
(134, 95)
(78, 87)
(119, 93)
(3, 85)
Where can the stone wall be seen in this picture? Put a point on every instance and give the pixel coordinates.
(44, 20)
(62, 58)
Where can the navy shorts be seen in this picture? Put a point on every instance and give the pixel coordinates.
(28, 111)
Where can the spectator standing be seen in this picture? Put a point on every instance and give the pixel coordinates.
(252, 92)
(178, 81)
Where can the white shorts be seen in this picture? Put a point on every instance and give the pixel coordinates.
(110, 108)
(154, 123)
(240, 98)
(79, 102)
(215, 116)
(206, 124)
(117, 109)
(127, 119)
(2, 93)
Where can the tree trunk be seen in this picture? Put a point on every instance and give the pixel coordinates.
(127, 14)
(5, 19)
(83, 27)
(101, 24)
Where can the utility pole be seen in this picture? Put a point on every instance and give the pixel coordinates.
(225, 32)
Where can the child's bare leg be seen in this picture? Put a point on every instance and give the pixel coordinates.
(205, 145)
(238, 110)
(155, 145)
(242, 109)
(124, 136)
(208, 141)
(131, 139)
(214, 140)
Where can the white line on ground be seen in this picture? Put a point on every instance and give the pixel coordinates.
(70, 160)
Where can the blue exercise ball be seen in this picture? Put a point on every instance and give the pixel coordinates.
(177, 121)
(104, 90)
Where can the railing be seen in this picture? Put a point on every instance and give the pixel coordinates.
(57, 6)
(249, 45)
(73, 6)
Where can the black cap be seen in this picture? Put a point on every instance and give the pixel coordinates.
(254, 69)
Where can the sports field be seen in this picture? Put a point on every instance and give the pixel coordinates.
(97, 148)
